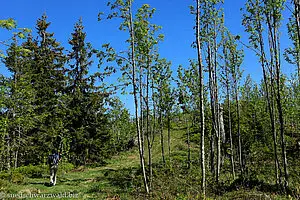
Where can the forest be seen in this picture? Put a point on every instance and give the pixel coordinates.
(203, 131)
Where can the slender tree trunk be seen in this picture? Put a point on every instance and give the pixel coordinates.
(283, 145)
(14, 137)
(236, 91)
(227, 84)
(149, 156)
(161, 129)
(8, 148)
(154, 118)
(218, 148)
(16, 148)
(275, 55)
(222, 133)
(297, 17)
(269, 103)
(13, 147)
(282, 135)
(142, 125)
(217, 108)
(214, 111)
(230, 134)
(236, 88)
(137, 121)
(148, 133)
(239, 129)
(2, 151)
(272, 111)
(188, 141)
(279, 105)
(212, 152)
(169, 135)
(216, 102)
(212, 105)
(297, 20)
(162, 139)
(201, 99)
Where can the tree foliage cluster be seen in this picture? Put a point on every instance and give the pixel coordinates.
(52, 102)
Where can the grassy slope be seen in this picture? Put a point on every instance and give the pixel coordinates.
(120, 178)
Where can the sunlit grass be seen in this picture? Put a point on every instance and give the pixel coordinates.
(120, 178)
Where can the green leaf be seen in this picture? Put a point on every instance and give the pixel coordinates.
(8, 24)
(21, 35)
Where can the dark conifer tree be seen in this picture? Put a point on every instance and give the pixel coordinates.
(87, 122)
(43, 63)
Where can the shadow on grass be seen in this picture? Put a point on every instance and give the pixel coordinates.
(47, 184)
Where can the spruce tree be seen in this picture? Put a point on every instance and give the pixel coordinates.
(88, 133)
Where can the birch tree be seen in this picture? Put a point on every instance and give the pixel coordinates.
(199, 43)
(208, 41)
(260, 14)
(227, 81)
(123, 10)
(235, 61)
(188, 93)
(273, 13)
(137, 66)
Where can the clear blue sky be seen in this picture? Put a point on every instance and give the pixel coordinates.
(173, 15)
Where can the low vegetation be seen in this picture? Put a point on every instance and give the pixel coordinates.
(121, 178)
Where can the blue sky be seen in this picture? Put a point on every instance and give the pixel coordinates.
(173, 15)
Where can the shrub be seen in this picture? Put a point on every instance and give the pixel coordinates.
(38, 171)
(13, 176)
(3, 183)
(4, 175)
(32, 171)
(17, 178)
(65, 167)
(180, 147)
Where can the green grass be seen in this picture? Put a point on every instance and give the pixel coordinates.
(121, 178)
(81, 181)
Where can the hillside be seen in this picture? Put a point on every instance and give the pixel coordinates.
(120, 178)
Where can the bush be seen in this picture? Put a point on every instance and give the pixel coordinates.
(17, 178)
(65, 167)
(3, 183)
(33, 171)
(38, 171)
(12, 176)
(180, 147)
(4, 175)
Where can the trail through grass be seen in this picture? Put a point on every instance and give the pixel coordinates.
(112, 180)
(76, 183)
